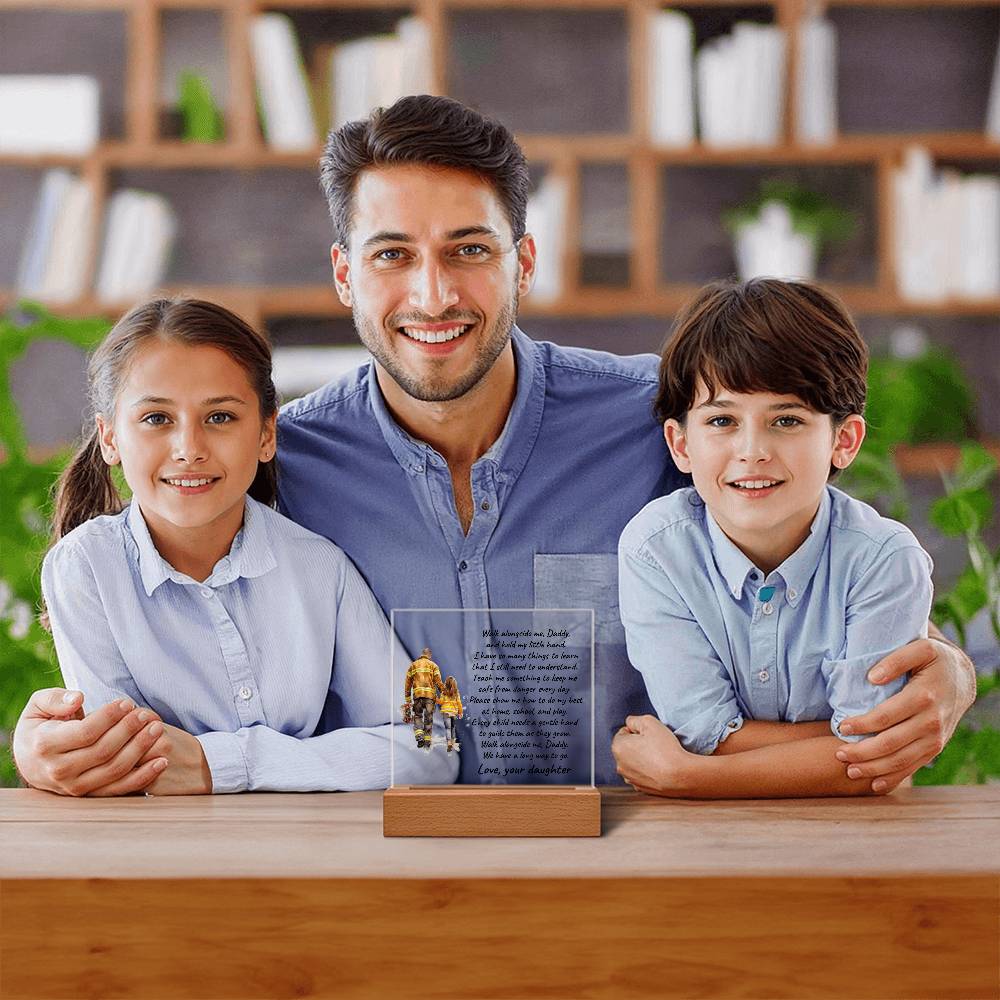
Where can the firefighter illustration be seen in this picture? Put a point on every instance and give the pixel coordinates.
(421, 690)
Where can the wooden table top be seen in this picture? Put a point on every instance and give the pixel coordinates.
(918, 831)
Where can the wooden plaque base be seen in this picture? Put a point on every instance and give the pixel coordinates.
(491, 811)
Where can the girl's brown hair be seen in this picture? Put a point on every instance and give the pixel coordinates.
(85, 489)
(451, 687)
(765, 335)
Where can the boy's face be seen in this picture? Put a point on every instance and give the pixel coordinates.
(760, 462)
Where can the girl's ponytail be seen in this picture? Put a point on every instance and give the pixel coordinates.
(84, 490)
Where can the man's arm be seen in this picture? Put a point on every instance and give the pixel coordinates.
(651, 759)
(914, 725)
(58, 750)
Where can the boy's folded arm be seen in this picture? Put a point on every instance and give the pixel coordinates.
(754, 734)
(800, 767)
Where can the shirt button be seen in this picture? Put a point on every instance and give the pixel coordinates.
(245, 693)
(485, 505)
(207, 592)
(463, 565)
(792, 593)
(733, 724)
(767, 608)
(763, 676)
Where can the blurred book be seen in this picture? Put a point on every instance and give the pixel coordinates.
(816, 83)
(49, 114)
(138, 237)
(56, 254)
(200, 116)
(671, 96)
(283, 93)
(740, 86)
(993, 109)
(546, 221)
(298, 370)
(375, 71)
(947, 232)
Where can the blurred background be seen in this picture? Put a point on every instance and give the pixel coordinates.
(151, 145)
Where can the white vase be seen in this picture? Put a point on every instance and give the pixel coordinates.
(769, 247)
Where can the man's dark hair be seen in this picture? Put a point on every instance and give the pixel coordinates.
(765, 335)
(432, 131)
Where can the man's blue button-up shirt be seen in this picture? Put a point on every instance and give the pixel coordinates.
(579, 455)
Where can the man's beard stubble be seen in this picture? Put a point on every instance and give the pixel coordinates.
(431, 390)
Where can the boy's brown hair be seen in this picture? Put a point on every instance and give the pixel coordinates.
(765, 335)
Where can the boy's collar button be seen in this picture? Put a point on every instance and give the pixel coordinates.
(792, 593)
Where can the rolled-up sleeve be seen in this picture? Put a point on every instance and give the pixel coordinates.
(89, 657)
(888, 607)
(687, 682)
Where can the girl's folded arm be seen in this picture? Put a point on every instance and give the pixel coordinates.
(362, 742)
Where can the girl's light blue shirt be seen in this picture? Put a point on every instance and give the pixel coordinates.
(246, 660)
(715, 648)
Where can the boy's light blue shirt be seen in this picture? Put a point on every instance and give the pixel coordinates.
(246, 660)
(714, 653)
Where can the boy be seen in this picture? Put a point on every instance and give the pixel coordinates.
(755, 603)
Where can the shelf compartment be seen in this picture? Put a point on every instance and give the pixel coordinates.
(695, 246)
(191, 40)
(605, 226)
(242, 227)
(63, 41)
(581, 86)
(911, 92)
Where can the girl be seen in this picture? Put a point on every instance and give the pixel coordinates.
(451, 705)
(253, 639)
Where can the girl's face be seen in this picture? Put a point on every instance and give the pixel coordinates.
(188, 433)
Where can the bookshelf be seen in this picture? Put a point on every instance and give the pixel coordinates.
(643, 224)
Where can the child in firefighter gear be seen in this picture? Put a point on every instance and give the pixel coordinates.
(451, 706)
(423, 683)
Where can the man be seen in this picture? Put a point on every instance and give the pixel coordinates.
(468, 466)
(421, 689)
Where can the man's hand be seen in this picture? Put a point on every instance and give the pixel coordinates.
(914, 725)
(650, 757)
(57, 749)
(188, 773)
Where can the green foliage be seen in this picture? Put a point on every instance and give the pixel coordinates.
(812, 214)
(26, 658)
(972, 756)
(201, 117)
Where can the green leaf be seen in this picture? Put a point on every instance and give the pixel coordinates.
(957, 514)
(976, 467)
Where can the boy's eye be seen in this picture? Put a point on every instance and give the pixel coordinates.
(154, 419)
(720, 421)
(220, 418)
(788, 421)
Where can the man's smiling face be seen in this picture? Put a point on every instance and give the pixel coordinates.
(433, 276)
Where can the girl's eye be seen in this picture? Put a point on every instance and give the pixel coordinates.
(154, 419)
(220, 418)
(720, 421)
(788, 421)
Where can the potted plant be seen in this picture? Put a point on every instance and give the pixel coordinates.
(780, 231)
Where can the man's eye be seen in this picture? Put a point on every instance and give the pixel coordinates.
(154, 419)
(221, 418)
(390, 255)
(472, 250)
